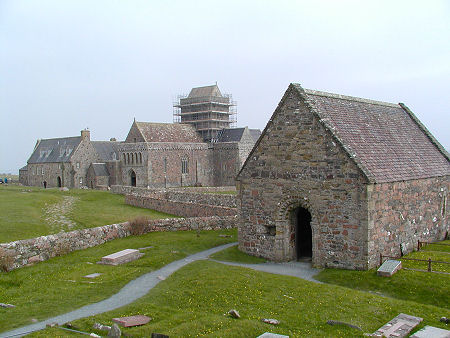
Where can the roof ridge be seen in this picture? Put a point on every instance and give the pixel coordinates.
(349, 98)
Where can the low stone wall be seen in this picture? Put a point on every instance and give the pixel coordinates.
(25, 252)
(179, 208)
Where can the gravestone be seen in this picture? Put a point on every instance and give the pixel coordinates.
(132, 320)
(121, 257)
(431, 332)
(389, 267)
(399, 327)
(93, 275)
(272, 335)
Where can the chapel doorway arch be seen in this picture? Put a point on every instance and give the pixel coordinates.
(132, 178)
(301, 233)
(58, 182)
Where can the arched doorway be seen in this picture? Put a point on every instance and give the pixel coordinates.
(45, 184)
(301, 226)
(132, 178)
(58, 182)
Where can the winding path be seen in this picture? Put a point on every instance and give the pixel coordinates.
(143, 284)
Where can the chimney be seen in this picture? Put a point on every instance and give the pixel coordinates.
(85, 135)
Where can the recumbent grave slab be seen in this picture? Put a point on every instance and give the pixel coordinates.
(132, 320)
(121, 257)
(399, 327)
(389, 267)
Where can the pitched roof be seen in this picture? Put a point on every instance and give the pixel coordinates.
(205, 91)
(106, 150)
(100, 169)
(256, 133)
(54, 150)
(230, 135)
(168, 132)
(24, 168)
(386, 140)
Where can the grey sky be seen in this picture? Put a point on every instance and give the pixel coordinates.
(67, 65)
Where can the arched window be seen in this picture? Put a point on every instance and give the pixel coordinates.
(124, 158)
(140, 158)
(128, 158)
(184, 166)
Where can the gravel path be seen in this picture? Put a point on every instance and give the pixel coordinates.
(143, 284)
(55, 214)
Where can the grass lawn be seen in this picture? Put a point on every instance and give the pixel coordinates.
(418, 286)
(57, 286)
(194, 302)
(234, 255)
(23, 213)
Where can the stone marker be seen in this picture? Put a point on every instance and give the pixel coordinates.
(444, 320)
(270, 321)
(52, 324)
(132, 320)
(7, 305)
(92, 334)
(159, 335)
(389, 267)
(234, 313)
(146, 247)
(121, 257)
(399, 327)
(93, 275)
(115, 331)
(161, 278)
(431, 332)
(101, 327)
(272, 335)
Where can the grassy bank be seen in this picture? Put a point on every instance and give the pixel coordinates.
(25, 210)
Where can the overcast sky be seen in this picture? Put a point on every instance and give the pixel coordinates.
(68, 65)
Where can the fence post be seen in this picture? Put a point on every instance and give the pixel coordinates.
(418, 245)
(381, 258)
(429, 264)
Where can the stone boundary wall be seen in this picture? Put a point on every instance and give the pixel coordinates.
(179, 208)
(124, 189)
(30, 251)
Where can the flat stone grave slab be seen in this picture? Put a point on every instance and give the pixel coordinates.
(389, 267)
(399, 327)
(431, 332)
(132, 320)
(93, 275)
(272, 335)
(121, 257)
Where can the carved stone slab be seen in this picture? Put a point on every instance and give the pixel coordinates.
(389, 267)
(431, 332)
(121, 257)
(398, 327)
(93, 275)
(272, 335)
(132, 320)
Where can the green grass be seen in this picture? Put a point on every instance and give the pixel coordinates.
(194, 302)
(418, 286)
(57, 286)
(234, 255)
(22, 215)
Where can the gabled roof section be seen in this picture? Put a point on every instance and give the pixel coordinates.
(169, 132)
(106, 150)
(385, 140)
(100, 169)
(54, 150)
(230, 135)
(256, 133)
(205, 91)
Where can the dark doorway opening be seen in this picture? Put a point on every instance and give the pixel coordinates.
(133, 178)
(58, 181)
(303, 233)
(45, 184)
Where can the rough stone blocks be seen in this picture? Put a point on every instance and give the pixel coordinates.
(121, 257)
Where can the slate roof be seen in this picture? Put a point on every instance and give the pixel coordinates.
(256, 133)
(54, 150)
(169, 132)
(100, 169)
(205, 91)
(106, 150)
(230, 135)
(385, 140)
(24, 168)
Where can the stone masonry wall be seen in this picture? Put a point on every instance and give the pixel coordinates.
(30, 251)
(401, 213)
(298, 164)
(178, 208)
